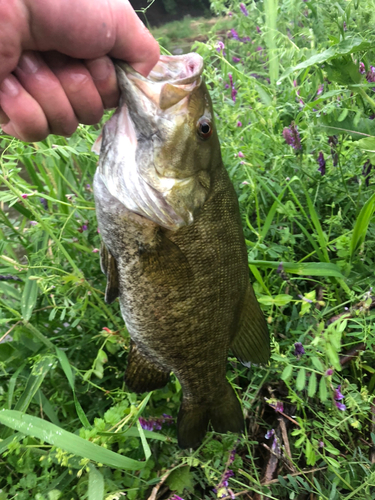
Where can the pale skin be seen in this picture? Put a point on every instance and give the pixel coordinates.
(55, 62)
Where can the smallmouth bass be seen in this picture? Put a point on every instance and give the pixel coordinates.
(173, 247)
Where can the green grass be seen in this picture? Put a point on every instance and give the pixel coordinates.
(70, 429)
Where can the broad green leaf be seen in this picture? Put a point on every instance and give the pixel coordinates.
(29, 297)
(361, 225)
(348, 46)
(301, 379)
(323, 389)
(287, 373)
(17, 436)
(277, 300)
(303, 268)
(96, 484)
(41, 429)
(367, 144)
(317, 363)
(311, 390)
(180, 479)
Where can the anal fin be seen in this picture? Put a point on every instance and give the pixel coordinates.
(142, 375)
(252, 341)
(109, 268)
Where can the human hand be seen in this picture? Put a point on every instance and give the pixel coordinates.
(55, 66)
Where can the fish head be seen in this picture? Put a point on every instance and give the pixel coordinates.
(160, 148)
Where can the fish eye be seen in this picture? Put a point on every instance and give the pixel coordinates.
(204, 128)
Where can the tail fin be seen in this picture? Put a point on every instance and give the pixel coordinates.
(225, 415)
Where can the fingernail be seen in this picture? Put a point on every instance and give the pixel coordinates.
(28, 63)
(9, 88)
(99, 68)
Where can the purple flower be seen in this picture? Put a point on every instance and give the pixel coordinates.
(366, 172)
(239, 124)
(298, 349)
(24, 196)
(95, 250)
(338, 395)
(370, 75)
(240, 154)
(220, 48)
(230, 14)
(33, 223)
(84, 227)
(329, 372)
(176, 497)
(292, 137)
(232, 456)
(88, 186)
(362, 68)
(244, 9)
(340, 406)
(320, 89)
(227, 86)
(236, 59)
(279, 407)
(44, 202)
(235, 34)
(270, 433)
(234, 91)
(322, 163)
(258, 29)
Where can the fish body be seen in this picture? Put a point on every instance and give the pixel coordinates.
(173, 247)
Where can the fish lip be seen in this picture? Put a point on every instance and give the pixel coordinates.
(176, 70)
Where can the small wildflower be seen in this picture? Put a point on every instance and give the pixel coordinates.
(239, 124)
(226, 86)
(340, 406)
(344, 26)
(66, 324)
(298, 349)
(245, 183)
(84, 227)
(24, 196)
(322, 163)
(338, 395)
(33, 223)
(279, 407)
(329, 372)
(294, 83)
(321, 444)
(270, 433)
(235, 35)
(88, 186)
(230, 14)
(236, 59)
(320, 89)
(234, 91)
(95, 250)
(292, 137)
(240, 154)
(176, 497)
(220, 48)
(44, 202)
(98, 230)
(362, 68)
(244, 9)
(258, 29)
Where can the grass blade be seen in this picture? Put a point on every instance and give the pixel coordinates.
(96, 484)
(361, 225)
(303, 269)
(38, 428)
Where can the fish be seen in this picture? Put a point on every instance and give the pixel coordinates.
(173, 248)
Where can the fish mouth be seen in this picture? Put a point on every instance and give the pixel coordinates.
(171, 80)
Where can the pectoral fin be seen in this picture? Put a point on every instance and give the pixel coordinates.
(252, 342)
(109, 268)
(164, 262)
(141, 374)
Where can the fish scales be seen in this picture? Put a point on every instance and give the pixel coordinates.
(183, 287)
